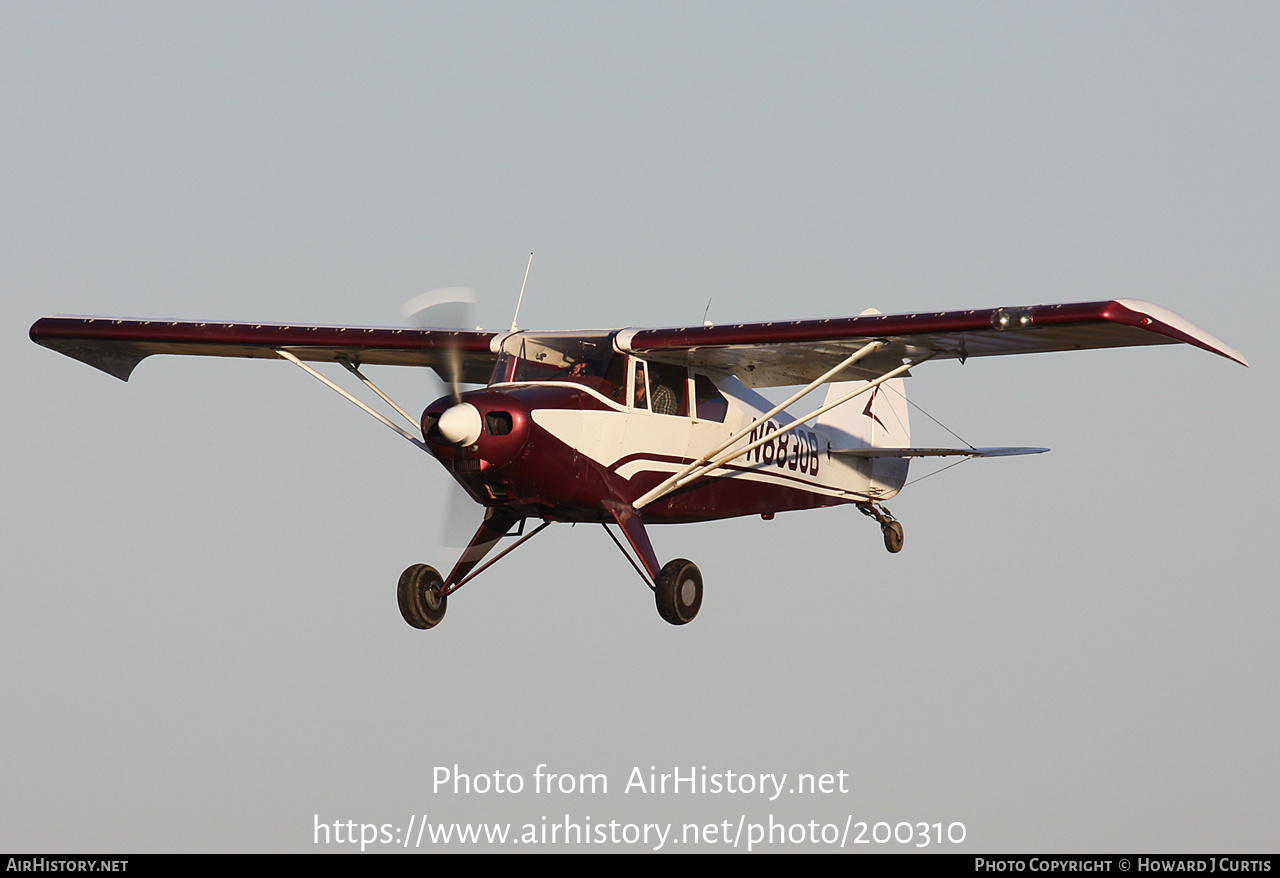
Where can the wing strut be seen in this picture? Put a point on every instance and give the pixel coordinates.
(671, 483)
(356, 371)
(700, 468)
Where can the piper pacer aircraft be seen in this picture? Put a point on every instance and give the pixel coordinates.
(636, 427)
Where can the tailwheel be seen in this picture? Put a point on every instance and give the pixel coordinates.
(421, 602)
(890, 527)
(679, 591)
(892, 531)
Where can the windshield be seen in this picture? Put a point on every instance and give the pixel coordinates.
(585, 358)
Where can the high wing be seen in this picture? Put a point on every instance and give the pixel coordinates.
(760, 354)
(116, 346)
(788, 353)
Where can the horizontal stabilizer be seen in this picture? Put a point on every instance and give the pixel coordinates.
(935, 452)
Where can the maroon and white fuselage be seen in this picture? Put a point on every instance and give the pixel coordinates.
(558, 449)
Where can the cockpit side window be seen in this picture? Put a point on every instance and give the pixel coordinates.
(660, 388)
(640, 386)
(668, 389)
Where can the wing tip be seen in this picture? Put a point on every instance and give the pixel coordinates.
(116, 360)
(1165, 322)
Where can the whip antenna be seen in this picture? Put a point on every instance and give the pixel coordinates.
(516, 315)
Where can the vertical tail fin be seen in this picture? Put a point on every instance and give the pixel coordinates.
(875, 419)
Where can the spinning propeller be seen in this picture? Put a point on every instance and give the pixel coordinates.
(445, 308)
(460, 424)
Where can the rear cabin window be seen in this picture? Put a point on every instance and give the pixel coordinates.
(711, 404)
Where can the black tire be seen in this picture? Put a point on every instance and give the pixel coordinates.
(893, 536)
(421, 603)
(679, 591)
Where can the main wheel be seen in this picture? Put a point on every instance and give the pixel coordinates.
(421, 603)
(679, 591)
(892, 531)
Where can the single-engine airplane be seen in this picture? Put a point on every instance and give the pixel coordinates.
(636, 427)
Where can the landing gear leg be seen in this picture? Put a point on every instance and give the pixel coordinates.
(890, 527)
(677, 585)
(423, 594)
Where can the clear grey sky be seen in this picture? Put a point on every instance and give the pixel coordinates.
(201, 646)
